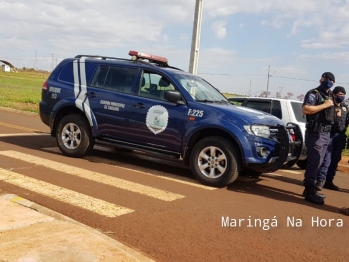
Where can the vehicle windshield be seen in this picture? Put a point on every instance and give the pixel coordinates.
(200, 90)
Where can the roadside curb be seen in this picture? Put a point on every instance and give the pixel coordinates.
(132, 253)
(343, 168)
(9, 109)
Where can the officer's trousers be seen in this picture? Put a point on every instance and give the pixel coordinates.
(316, 144)
(333, 155)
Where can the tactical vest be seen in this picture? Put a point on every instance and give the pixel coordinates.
(341, 123)
(326, 116)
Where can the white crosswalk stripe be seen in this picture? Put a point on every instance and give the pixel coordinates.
(65, 195)
(94, 176)
(116, 165)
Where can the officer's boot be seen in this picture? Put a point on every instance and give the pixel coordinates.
(313, 196)
(329, 185)
(319, 185)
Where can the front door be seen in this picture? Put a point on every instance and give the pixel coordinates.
(153, 121)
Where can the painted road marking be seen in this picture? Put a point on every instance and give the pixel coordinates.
(292, 172)
(23, 134)
(95, 205)
(271, 174)
(115, 164)
(95, 176)
(21, 128)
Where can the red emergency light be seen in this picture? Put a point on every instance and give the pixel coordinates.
(152, 58)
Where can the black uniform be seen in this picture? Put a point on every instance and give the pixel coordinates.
(317, 139)
(337, 143)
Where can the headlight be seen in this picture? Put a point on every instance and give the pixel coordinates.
(257, 130)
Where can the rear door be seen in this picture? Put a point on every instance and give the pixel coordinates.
(110, 94)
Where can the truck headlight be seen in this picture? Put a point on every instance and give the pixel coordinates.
(258, 130)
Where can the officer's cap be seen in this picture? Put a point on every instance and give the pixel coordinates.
(329, 75)
(338, 89)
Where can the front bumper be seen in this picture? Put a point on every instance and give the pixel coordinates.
(278, 146)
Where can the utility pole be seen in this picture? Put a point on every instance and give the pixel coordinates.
(268, 81)
(249, 90)
(194, 53)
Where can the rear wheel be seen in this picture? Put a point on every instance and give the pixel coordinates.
(215, 162)
(74, 136)
(302, 164)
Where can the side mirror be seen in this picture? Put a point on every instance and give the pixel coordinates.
(173, 96)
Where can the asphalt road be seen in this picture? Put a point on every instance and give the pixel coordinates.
(157, 207)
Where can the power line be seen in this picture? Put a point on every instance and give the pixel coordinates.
(293, 78)
(302, 79)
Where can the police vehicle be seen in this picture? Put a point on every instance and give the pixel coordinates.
(146, 105)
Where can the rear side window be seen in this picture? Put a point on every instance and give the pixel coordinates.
(259, 105)
(298, 112)
(114, 78)
(67, 74)
(276, 109)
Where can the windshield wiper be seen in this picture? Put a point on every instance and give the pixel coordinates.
(222, 101)
(205, 101)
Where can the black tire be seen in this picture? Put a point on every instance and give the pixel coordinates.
(302, 164)
(74, 136)
(290, 164)
(225, 161)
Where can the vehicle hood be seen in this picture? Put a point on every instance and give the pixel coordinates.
(237, 114)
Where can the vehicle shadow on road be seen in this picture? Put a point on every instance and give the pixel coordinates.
(35, 141)
(252, 186)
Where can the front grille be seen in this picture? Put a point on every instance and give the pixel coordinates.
(279, 134)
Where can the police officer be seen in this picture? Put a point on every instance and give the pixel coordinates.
(333, 154)
(319, 111)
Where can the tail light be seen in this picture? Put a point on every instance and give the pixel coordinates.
(45, 86)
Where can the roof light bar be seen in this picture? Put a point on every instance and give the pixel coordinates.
(152, 58)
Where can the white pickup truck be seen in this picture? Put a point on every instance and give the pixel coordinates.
(289, 111)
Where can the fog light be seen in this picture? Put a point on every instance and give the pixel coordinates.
(262, 151)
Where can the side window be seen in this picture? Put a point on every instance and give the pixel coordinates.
(153, 85)
(259, 105)
(99, 77)
(67, 74)
(119, 79)
(276, 109)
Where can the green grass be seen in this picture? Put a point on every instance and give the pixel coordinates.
(21, 90)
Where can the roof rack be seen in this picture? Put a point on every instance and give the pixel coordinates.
(101, 57)
(136, 57)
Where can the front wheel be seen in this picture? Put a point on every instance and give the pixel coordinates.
(215, 162)
(74, 136)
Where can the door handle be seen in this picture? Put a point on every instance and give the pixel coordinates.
(140, 105)
(90, 94)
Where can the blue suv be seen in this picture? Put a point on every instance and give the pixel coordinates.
(144, 104)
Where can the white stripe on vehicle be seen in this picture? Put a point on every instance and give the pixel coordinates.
(80, 88)
(86, 202)
(94, 176)
(76, 78)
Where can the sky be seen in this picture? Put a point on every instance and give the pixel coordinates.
(246, 47)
